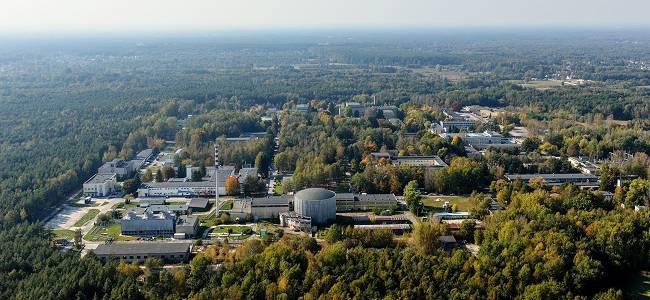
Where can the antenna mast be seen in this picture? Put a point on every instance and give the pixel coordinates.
(216, 175)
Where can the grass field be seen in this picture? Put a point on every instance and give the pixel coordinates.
(539, 84)
(450, 75)
(63, 234)
(235, 229)
(91, 214)
(640, 288)
(99, 233)
(208, 220)
(462, 203)
(124, 205)
(226, 205)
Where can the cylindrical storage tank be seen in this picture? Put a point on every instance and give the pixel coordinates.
(317, 203)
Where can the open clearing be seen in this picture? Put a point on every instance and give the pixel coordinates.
(102, 233)
(436, 202)
(91, 214)
(539, 84)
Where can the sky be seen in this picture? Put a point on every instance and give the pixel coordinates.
(17, 16)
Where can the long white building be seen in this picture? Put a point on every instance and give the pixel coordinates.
(206, 187)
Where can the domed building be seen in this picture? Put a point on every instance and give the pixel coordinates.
(317, 203)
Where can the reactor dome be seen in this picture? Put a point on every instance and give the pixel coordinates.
(317, 203)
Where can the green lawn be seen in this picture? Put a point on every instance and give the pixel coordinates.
(208, 220)
(640, 287)
(235, 229)
(226, 205)
(124, 205)
(100, 233)
(63, 234)
(91, 214)
(462, 203)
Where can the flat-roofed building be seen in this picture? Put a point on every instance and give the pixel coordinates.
(118, 166)
(100, 185)
(434, 162)
(391, 227)
(295, 221)
(557, 179)
(452, 216)
(247, 172)
(187, 225)
(483, 140)
(148, 224)
(188, 188)
(260, 208)
(168, 252)
(456, 121)
(364, 202)
(269, 207)
(170, 208)
(198, 204)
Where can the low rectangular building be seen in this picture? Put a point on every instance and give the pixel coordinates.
(295, 221)
(148, 224)
(118, 166)
(100, 185)
(206, 187)
(187, 225)
(557, 179)
(198, 204)
(434, 162)
(170, 208)
(168, 252)
(260, 208)
(364, 202)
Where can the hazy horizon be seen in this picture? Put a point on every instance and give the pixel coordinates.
(78, 16)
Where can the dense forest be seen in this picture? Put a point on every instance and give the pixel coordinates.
(66, 106)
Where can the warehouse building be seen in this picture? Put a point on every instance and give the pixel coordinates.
(260, 208)
(173, 252)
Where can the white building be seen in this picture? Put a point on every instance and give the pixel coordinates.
(118, 166)
(188, 188)
(483, 140)
(295, 221)
(100, 185)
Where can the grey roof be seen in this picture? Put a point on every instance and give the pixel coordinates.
(385, 226)
(552, 177)
(101, 178)
(376, 197)
(447, 239)
(199, 202)
(171, 207)
(135, 248)
(187, 220)
(144, 154)
(315, 194)
(270, 201)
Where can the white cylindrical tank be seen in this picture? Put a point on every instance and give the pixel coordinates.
(317, 203)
